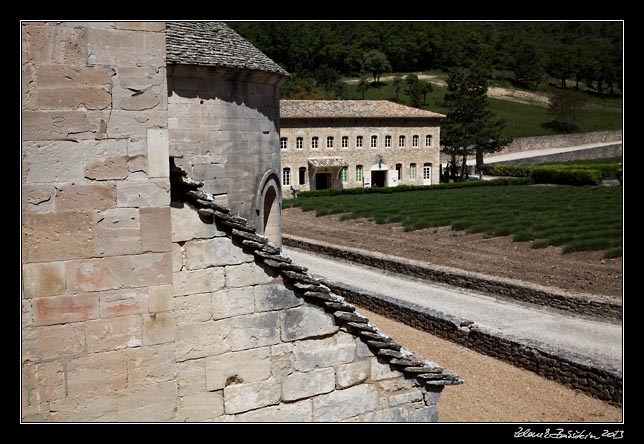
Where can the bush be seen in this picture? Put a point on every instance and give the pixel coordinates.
(566, 176)
(506, 170)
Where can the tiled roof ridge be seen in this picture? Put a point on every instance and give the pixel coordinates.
(313, 290)
(312, 109)
(208, 43)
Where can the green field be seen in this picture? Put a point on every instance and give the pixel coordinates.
(522, 120)
(575, 218)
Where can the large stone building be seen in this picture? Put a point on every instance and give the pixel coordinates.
(357, 143)
(150, 162)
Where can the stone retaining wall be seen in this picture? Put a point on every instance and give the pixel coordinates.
(505, 288)
(558, 365)
(600, 152)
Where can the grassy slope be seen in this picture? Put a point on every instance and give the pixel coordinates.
(522, 120)
(576, 218)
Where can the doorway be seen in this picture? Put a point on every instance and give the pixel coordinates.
(322, 181)
(379, 178)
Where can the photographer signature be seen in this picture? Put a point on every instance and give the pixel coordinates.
(568, 434)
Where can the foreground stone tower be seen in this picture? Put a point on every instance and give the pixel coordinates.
(149, 160)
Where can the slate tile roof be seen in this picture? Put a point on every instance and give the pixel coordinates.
(214, 44)
(350, 109)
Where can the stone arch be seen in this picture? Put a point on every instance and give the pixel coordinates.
(269, 206)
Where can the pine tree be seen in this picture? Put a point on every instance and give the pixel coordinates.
(470, 127)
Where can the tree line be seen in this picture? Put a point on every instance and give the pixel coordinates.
(521, 52)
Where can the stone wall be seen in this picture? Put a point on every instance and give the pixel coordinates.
(600, 152)
(224, 130)
(135, 305)
(295, 158)
(96, 251)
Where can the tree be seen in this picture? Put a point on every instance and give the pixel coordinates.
(341, 90)
(425, 88)
(413, 89)
(526, 64)
(567, 105)
(470, 126)
(363, 86)
(376, 62)
(396, 83)
(327, 76)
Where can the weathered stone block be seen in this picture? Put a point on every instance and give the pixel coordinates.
(151, 403)
(38, 198)
(231, 302)
(62, 76)
(395, 384)
(202, 339)
(113, 334)
(156, 230)
(54, 45)
(187, 225)
(120, 218)
(123, 302)
(343, 404)
(305, 385)
(252, 331)
(42, 344)
(150, 365)
(97, 373)
(214, 252)
(246, 274)
(47, 236)
(25, 306)
(405, 397)
(198, 281)
(424, 414)
(134, 124)
(142, 100)
(105, 159)
(158, 152)
(63, 309)
(301, 411)
(191, 376)
(396, 414)
(160, 298)
(382, 370)
(282, 366)
(125, 48)
(140, 78)
(158, 328)
(137, 153)
(51, 162)
(57, 125)
(111, 241)
(140, 194)
(354, 373)
(318, 353)
(237, 368)
(306, 322)
(43, 279)
(77, 197)
(92, 408)
(274, 297)
(141, 26)
(201, 407)
(72, 98)
(43, 383)
(192, 308)
(243, 397)
(362, 349)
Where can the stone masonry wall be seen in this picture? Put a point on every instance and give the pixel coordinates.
(96, 251)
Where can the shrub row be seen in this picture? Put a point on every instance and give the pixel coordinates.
(559, 173)
(566, 176)
(404, 188)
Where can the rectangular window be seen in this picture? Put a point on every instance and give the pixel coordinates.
(428, 140)
(283, 143)
(387, 141)
(343, 175)
(302, 175)
(399, 170)
(329, 142)
(374, 141)
(286, 176)
(345, 142)
(414, 141)
(412, 171)
(359, 142)
(314, 142)
(358, 173)
(401, 141)
(299, 143)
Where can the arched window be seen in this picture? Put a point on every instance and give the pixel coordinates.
(283, 143)
(345, 141)
(343, 174)
(329, 142)
(358, 173)
(401, 141)
(412, 171)
(428, 140)
(387, 141)
(299, 143)
(314, 142)
(374, 141)
(286, 176)
(414, 141)
(359, 142)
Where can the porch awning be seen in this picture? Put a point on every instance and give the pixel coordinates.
(328, 162)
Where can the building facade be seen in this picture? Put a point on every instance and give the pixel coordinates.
(151, 290)
(356, 143)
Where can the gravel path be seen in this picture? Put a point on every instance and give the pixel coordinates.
(600, 341)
